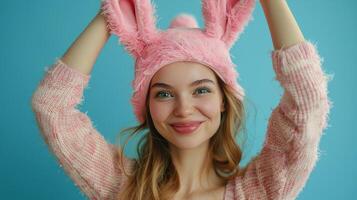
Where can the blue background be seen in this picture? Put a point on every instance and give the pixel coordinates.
(34, 33)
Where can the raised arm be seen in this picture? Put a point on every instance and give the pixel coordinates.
(290, 150)
(84, 51)
(80, 149)
(284, 29)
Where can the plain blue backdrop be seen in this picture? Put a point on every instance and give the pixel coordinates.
(34, 33)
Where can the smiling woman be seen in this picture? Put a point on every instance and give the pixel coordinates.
(189, 104)
(190, 161)
(185, 104)
(188, 120)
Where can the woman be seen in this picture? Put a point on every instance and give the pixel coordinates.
(187, 98)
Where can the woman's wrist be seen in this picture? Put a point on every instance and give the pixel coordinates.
(100, 18)
(266, 2)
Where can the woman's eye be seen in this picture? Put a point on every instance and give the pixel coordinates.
(204, 89)
(161, 94)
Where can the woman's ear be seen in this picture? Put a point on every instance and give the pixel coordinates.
(226, 19)
(133, 21)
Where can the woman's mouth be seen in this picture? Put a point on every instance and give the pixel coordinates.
(186, 128)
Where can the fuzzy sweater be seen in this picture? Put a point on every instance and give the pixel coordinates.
(279, 171)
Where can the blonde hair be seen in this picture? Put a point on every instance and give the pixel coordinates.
(154, 176)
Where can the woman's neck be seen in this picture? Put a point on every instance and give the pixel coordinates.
(195, 169)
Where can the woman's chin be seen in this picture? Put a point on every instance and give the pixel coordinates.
(187, 145)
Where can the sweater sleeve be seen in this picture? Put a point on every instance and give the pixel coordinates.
(89, 160)
(290, 149)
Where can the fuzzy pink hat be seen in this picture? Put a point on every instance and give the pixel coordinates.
(134, 22)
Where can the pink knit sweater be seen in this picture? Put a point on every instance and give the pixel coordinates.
(279, 171)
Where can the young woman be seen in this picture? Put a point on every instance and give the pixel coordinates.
(186, 96)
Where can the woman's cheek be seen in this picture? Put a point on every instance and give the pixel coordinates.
(159, 111)
(209, 107)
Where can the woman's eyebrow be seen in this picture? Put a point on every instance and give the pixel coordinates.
(197, 82)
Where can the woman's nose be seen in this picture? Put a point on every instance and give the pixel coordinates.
(183, 107)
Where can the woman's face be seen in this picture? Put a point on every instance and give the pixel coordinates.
(177, 95)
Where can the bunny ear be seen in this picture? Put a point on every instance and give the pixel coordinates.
(226, 19)
(133, 21)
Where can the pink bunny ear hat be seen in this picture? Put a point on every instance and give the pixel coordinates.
(134, 22)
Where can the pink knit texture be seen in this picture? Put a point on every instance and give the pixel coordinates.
(280, 171)
(134, 22)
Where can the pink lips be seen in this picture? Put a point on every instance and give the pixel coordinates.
(186, 128)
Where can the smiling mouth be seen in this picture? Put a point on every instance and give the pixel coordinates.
(187, 128)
